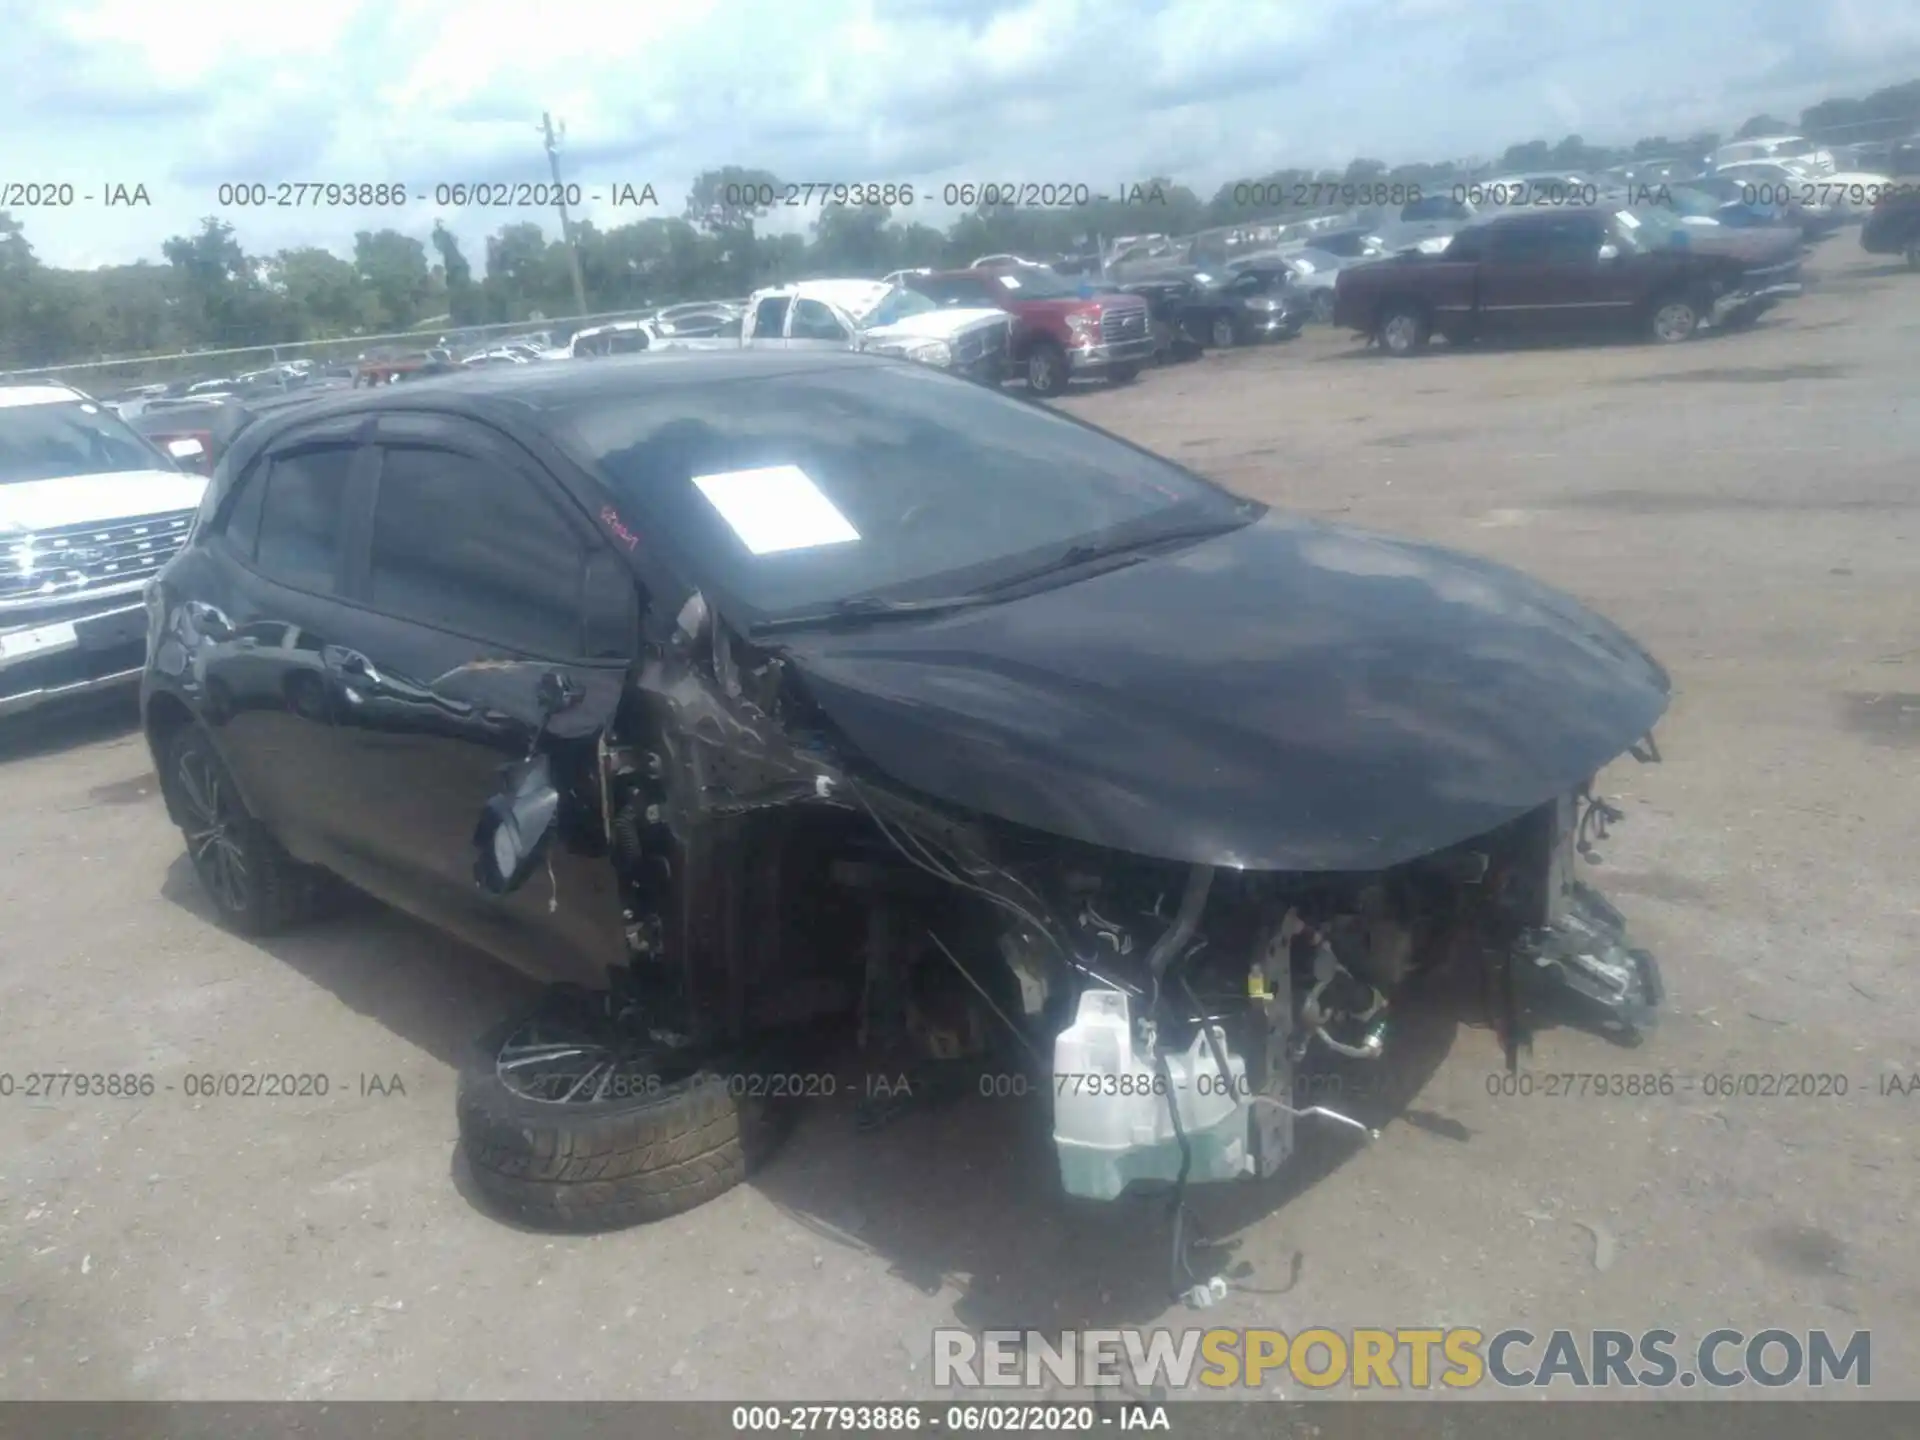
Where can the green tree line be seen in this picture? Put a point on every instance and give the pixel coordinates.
(208, 292)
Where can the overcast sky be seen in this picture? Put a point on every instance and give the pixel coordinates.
(183, 97)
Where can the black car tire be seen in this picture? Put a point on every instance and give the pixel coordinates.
(608, 1164)
(1404, 329)
(1672, 319)
(1223, 333)
(1047, 372)
(1123, 374)
(255, 886)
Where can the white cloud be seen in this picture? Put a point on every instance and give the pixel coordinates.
(426, 91)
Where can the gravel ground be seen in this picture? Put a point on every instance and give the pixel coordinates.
(1746, 505)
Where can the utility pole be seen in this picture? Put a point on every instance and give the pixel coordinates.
(560, 197)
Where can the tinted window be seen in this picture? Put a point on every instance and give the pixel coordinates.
(1434, 207)
(1518, 244)
(941, 483)
(814, 321)
(467, 546)
(1573, 240)
(302, 516)
(770, 318)
(243, 518)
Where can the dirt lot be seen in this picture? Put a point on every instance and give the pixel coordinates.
(1746, 505)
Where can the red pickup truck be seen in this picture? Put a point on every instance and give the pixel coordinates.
(1063, 330)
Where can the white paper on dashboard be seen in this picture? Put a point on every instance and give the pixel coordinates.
(775, 508)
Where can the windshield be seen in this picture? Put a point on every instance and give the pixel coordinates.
(795, 491)
(896, 305)
(1037, 284)
(52, 442)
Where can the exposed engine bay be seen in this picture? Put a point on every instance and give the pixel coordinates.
(770, 880)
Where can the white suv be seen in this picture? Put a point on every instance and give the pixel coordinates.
(89, 511)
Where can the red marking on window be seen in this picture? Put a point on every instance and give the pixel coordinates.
(610, 517)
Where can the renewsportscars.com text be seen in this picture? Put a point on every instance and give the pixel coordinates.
(1418, 1358)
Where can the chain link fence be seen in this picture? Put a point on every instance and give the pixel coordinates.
(107, 377)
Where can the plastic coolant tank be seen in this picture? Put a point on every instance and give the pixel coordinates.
(1111, 1120)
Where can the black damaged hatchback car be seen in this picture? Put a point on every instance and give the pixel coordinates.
(769, 702)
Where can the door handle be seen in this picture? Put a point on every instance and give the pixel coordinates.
(351, 665)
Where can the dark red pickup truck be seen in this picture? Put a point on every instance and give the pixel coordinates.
(1571, 272)
(1064, 330)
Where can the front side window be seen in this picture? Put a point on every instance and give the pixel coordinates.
(814, 321)
(784, 493)
(465, 545)
(303, 516)
(67, 438)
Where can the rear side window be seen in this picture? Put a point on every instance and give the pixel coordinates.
(469, 546)
(303, 516)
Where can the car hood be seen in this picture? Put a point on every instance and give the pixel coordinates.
(934, 325)
(1289, 696)
(87, 499)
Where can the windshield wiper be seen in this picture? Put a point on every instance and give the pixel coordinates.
(861, 608)
(1129, 549)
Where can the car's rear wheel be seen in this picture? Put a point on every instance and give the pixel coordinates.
(1674, 319)
(255, 886)
(1404, 329)
(1224, 333)
(571, 1120)
(1046, 370)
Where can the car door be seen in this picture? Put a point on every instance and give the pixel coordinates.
(478, 581)
(813, 325)
(1518, 282)
(278, 560)
(1593, 277)
(770, 323)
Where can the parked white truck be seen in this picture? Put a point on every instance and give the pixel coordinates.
(89, 511)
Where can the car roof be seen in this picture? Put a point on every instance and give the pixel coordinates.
(523, 394)
(42, 393)
(851, 295)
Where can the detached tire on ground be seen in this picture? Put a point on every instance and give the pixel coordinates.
(605, 1164)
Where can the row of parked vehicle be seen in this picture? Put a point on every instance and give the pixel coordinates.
(1668, 246)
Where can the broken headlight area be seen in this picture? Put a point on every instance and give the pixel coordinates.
(1174, 1015)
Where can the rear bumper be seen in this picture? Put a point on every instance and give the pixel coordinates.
(96, 649)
